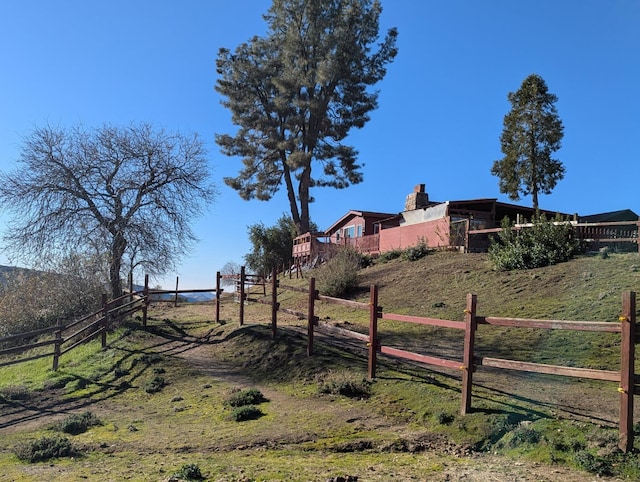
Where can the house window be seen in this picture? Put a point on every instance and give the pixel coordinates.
(359, 228)
(338, 235)
(350, 232)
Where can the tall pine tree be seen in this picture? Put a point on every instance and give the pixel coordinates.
(532, 132)
(295, 95)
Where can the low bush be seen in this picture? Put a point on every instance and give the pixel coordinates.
(344, 383)
(189, 472)
(45, 448)
(77, 423)
(521, 435)
(543, 244)
(414, 253)
(246, 412)
(154, 385)
(250, 396)
(593, 463)
(339, 275)
(444, 418)
(15, 392)
(389, 255)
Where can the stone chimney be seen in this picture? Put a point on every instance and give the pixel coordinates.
(418, 199)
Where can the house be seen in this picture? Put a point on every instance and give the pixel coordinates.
(360, 229)
(464, 225)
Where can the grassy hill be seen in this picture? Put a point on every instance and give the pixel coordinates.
(405, 425)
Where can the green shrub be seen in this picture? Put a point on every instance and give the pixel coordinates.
(77, 423)
(416, 252)
(543, 244)
(344, 383)
(189, 472)
(366, 260)
(389, 255)
(522, 435)
(37, 299)
(45, 448)
(154, 385)
(250, 396)
(15, 392)
(245, 412)
(340, 274)
(444, 418)
(594, 464)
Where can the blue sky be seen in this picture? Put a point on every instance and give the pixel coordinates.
(441, 104)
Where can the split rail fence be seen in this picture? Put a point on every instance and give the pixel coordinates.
(467, 363)
(65, 336)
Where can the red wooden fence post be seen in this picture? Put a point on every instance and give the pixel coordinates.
(218, 292)
(145, 300)
(105, 317)
(274, 301)
(242, 294)
(57, 346)
(311, 315)
(373, 329)
(627, 371)
(469, 341)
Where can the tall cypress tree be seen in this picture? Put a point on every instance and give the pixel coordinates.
(295, 95)
(532, 132)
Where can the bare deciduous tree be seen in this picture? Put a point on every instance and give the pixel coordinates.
(129, 193)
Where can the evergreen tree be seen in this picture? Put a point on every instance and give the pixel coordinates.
(295, 95)
(532, 132)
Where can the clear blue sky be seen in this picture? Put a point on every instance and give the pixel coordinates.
(441, 104)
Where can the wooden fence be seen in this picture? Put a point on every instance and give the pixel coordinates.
(64, 337)
(469, 361)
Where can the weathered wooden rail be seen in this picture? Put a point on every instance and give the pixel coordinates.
(68, 336)
(65, 336)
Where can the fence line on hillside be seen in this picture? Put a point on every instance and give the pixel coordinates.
(468, 362)
(66, 336)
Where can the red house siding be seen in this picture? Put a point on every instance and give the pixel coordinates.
(434, 233)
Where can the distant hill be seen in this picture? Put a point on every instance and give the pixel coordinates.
(7, 272)
(190, 297)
